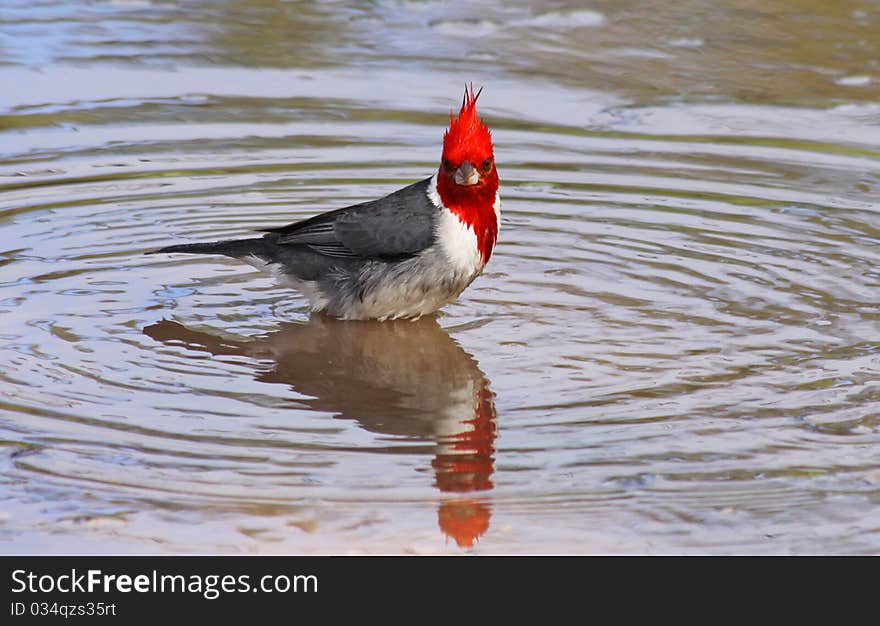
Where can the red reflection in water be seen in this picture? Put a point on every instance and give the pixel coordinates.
(464, 463)
(402, 378)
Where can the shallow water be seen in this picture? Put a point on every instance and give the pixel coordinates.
(674, 348)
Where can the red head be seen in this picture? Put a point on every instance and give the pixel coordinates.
(467, 180)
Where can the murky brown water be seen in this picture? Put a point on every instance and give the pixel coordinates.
(675, 348)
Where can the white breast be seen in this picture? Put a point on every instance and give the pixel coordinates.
(457, 240)
(459, 243)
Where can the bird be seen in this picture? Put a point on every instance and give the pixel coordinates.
(401, 256)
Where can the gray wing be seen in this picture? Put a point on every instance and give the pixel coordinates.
(396, 226)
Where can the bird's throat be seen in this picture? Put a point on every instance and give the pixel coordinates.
(474, 205)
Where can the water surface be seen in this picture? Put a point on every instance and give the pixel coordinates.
(674, 348)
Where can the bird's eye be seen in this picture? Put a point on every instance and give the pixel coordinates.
(447, 165)
(487, 164)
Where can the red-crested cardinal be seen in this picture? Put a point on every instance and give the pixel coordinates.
(401, 256)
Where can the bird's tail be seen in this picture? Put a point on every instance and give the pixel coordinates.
(235, 248)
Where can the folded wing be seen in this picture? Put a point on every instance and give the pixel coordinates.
(397, 226)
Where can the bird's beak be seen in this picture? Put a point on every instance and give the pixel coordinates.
(467, 174)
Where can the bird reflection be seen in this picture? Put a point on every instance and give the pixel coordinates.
(403, 378)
